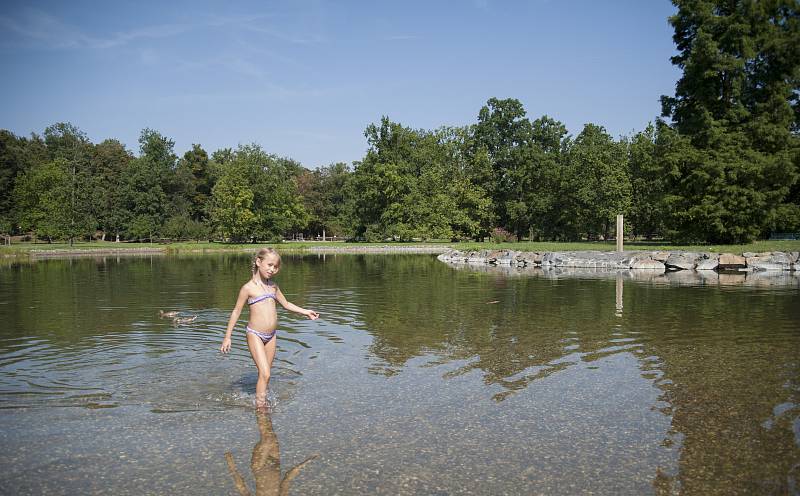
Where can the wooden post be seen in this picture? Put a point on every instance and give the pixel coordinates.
(619, 232)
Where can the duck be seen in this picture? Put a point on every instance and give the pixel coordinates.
(184, 320)
(168, 315)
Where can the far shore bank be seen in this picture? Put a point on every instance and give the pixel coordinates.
(39, 251)
(59, 252)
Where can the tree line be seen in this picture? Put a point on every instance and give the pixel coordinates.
(720, 165)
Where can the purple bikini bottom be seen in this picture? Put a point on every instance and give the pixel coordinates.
(265, 337)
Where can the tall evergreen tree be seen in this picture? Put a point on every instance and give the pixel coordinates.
(108, 162)
(196, 166)
(737, 106)
(646, 214)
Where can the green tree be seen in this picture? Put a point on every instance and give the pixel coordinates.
(505, 133)
(325, 193)
(737, 106)
(272, 197)
(147, 184)
(13, 161)
(195, 166)
(647, 211)
(600, 185)
(231, 208)
(108, 162)
(51, 204)
(416, 184)
(538, 179)
(70, 148)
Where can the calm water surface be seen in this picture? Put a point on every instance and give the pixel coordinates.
(418, 379)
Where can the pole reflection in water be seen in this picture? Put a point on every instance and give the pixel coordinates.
(266, 463)
(619, 295)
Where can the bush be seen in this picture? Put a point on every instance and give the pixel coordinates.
(500, 235)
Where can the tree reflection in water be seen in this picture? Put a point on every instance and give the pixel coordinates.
(265, 463)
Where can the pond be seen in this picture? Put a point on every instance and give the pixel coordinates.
(418, 378)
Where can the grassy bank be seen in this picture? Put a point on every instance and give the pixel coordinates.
(99, 247)
(757, 246)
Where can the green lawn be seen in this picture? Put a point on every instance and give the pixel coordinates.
(757, 246)
(291, 246)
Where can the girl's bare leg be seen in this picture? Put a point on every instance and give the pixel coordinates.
(263, 355)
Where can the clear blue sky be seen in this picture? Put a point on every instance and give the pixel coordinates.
(304, 78)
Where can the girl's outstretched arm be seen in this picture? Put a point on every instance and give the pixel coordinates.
(237, 310)
(311, 314)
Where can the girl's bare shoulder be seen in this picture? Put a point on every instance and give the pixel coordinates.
(249, 288)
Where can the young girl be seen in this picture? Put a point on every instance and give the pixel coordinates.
(260, 293)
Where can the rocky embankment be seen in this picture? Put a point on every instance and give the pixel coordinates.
(629, 260)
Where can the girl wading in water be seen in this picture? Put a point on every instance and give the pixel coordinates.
(261, 293)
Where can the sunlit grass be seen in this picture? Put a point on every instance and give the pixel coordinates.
(756, 246)
(25, 248)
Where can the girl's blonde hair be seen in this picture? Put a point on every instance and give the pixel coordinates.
(262, 254)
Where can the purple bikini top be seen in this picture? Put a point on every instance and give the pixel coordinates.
(262, 297)
(251, 301)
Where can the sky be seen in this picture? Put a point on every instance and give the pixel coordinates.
(304, 79)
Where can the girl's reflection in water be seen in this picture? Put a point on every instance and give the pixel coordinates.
(266, 463)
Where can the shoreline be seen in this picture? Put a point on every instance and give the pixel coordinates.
(639, 260)
(34, 254)
(589, 257)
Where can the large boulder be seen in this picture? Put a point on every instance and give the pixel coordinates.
(660, 256)
(769, 261)
(647, 261)
(708, 262)
(530, 258)
(507, 257)
(451, 256)
(680, 260)
(729, 261)
(589, 259)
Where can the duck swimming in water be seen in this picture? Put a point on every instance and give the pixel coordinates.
(184, 320)
(167, 315)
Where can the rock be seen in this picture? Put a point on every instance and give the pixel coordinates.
(451, 256)
(477, 260)
(710, 263)
(491, 256)
(509, 258)
(552, 258)
(648, 264)
(530, 257)
(660, 256)
(682, 260)
(589, 260)
(771, 261)
(731, 261)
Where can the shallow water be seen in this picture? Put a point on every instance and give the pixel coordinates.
(418, 379)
